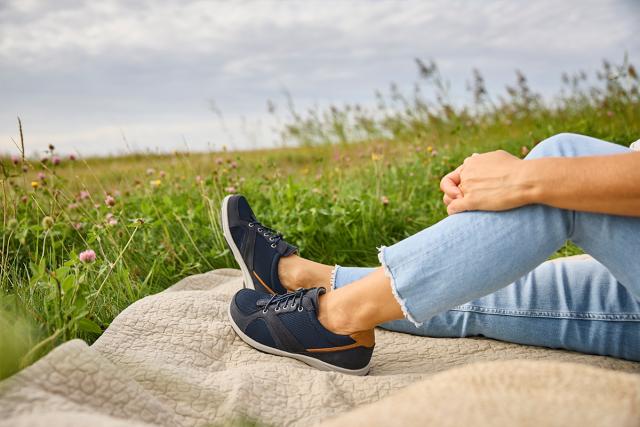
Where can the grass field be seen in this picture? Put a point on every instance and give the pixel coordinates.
(359, 178)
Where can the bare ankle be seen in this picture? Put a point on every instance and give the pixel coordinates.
(290, 272)
(296, 272)
(333, 316)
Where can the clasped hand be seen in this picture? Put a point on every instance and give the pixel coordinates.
(488, 182)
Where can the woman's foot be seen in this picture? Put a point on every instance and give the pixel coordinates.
(257, 248)
(268, 263)
(296, 272)
(288, 325)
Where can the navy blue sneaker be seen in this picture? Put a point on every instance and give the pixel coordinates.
(256, 248)
(287, 325)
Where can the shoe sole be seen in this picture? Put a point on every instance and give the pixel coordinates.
(318, 364)
(248, 281)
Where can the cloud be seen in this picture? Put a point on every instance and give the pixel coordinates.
(73, 66)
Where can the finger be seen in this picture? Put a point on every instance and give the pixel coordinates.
(446, 199)
(450, 189)
(472, 155)
(457, 206)
(449, 183)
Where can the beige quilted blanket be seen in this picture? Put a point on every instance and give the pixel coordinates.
(172, 359)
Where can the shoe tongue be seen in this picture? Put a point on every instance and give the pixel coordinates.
(286, 249)
(313, 296)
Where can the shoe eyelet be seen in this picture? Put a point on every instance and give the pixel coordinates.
(259, 230)
(277, 309)
(264, 311)
(250, 225)
(300, 308)
(273, 245)
(271, 239)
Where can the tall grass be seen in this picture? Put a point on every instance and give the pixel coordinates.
(362, 177)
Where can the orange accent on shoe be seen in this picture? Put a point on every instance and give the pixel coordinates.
(362, 339)
(263, 284)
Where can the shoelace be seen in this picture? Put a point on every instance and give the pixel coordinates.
(270, 234)
(282, 301)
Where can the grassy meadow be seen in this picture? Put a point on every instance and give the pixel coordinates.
(358, 177)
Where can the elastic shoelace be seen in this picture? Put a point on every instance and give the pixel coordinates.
(270, 234)
(277, 300)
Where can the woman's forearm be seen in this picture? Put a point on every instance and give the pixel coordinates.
(605, 184)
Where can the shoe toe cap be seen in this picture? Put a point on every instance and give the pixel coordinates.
(245, 301)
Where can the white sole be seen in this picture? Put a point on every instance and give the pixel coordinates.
(248, 281)
(318, 364)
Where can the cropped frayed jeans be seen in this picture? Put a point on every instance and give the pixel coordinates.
(484, 273)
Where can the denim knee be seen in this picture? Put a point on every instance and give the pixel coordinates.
(560, 145)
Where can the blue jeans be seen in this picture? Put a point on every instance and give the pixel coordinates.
(484, 273)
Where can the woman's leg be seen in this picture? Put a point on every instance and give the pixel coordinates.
(472, 254)
(572, 303)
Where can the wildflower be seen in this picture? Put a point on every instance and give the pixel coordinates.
(47, 222)
(72, 206)
(429, 149)
(375, 156)
(12, 224)
(51, 147)
(316, 190)
(384, 200)
(609, 113)
(162, 174)
(434, 153)
(42, 176)
(25, 168)
(44, 160)
(111, 220)
(117, 193)
(84, 195)
(524, 150)
(198, 179)
(78, 226)
(109, 201)
(155, 183)
(219, 161)
(35, 185)
(15, 159)
(24, 199)
(234, 165)
(72, 157)
(150, 171)
(231, 189)
(87, 256)
(55, 160)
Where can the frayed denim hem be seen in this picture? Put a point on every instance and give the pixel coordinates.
(394, 290)
(332, 281)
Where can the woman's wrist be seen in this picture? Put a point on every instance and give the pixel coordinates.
(534, 178)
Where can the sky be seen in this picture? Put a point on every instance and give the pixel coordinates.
(110, 77)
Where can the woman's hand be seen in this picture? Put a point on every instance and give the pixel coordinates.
(488, 182)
